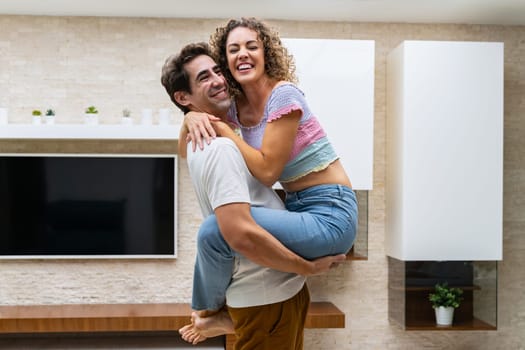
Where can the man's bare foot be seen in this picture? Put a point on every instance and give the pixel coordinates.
(191, 334)
(202, 327)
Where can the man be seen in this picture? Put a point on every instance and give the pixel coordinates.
(261, 301)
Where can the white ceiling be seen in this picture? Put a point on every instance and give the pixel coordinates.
(505, 12)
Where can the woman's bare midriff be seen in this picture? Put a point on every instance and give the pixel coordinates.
(333, 174)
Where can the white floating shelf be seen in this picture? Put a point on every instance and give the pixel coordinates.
(90, 132)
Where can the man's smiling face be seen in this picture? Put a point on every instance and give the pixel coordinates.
(209, 92)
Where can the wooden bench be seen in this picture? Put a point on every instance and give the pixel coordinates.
(93, 318)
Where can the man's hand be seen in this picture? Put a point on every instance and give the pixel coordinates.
(324, 264)
(199, 127)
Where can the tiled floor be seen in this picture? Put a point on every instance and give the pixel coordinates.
(108, 342)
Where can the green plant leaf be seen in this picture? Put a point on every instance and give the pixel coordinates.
(91, 110)
(446, 296)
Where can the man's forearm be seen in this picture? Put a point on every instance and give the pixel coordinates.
(265, 250)
(245, 236)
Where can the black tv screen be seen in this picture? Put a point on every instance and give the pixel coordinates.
(87, 206)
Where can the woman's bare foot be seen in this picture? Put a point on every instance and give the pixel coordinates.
(203, 327)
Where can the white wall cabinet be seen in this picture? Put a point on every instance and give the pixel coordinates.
(337, 77)
(444, 151)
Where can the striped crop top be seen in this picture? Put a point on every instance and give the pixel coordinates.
(311, 150)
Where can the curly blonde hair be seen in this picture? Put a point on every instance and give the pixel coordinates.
(278, 63)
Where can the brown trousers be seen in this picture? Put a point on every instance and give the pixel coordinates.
(278, 326)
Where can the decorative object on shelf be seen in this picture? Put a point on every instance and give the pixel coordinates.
(444, 300)
(50, 116)
(3, 115)
(37, 116)
(91, 115)
(164, 116)
(126, 117)
(147, 116)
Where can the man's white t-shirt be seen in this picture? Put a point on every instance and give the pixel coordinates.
(220, 176)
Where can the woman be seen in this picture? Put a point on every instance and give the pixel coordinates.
(281, 141)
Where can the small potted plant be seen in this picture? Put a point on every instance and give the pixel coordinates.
(50, 116)
(91, 115)
(37, 116)
(444, 300)
(126, 117)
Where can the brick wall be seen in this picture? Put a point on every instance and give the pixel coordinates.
(68, 63)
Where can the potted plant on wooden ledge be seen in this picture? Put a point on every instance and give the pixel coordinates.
(444, 300)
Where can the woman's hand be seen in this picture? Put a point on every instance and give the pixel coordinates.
(222, 129)
(199, 128)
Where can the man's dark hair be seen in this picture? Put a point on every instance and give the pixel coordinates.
(174, 75)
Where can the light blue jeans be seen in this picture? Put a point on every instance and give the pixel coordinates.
(319, 221)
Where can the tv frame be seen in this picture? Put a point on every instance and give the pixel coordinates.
(107, 256)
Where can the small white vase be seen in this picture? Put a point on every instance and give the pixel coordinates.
(3, 116)
(164, 116)
(147, 116)
(444, 315)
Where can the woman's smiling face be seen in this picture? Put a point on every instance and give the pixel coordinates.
(245, 55)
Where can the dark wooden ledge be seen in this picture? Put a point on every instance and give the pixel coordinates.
(93, 318)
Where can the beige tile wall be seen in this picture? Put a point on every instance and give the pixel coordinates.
(68, 63)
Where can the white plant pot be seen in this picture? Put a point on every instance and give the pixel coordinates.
(91, 118)
(50, 119)
(37, 120)
(126, 121)
(444, 315)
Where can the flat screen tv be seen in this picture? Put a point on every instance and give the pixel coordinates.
(87, 206)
